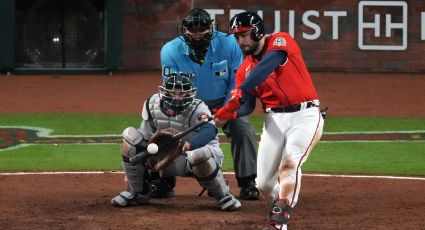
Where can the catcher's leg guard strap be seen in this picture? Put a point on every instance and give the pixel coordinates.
(207, 172)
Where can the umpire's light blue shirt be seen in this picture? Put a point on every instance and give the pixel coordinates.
(216, 77)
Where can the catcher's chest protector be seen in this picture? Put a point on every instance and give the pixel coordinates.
(178, 123)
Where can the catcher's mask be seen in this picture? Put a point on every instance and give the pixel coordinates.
(197, 31)
(177, 93)
(246, 21)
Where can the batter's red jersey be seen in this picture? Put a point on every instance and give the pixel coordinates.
(288, 84)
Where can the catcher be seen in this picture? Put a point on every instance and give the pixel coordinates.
(197, 154)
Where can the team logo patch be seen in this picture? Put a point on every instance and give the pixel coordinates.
(202, 116)
(279, 41)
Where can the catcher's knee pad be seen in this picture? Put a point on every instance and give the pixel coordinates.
(132, 142)
(201, 162)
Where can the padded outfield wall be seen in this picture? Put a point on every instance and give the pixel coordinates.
(335, 35)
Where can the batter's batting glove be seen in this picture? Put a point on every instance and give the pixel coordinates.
(224, 114)
(234, 103)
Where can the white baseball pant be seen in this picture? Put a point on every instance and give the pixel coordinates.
(286, 142)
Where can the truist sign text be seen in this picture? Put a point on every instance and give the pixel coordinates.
(381, 25)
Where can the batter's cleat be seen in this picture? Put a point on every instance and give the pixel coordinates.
(229, 203)
(279, 215)
(126, 198)
(249, 191)
(272, 226)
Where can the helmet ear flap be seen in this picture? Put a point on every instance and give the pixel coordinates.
(258, 32)
(254, 35)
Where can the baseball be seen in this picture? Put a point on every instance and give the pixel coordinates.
(152, 148)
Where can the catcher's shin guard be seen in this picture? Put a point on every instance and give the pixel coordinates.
(135, 176)
(207, 172)
(209, 175)
(138, 192)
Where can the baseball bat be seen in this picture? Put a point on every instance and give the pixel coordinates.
(162, 143)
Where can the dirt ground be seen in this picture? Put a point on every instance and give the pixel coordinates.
(83, 201)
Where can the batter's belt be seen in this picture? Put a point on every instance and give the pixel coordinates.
(293, 108)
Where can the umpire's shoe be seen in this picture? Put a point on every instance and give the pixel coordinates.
(126, 198)
(229, 203)
(249, 191)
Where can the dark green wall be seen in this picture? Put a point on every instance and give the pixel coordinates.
(114, 34)
(7, 34)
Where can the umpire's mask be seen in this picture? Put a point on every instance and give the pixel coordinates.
(177, 93)
(197, 32)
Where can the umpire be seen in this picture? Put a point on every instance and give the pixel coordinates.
(214, 57)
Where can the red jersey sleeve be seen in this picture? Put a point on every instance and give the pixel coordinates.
(282, 41)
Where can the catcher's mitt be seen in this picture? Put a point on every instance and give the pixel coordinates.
(166, 154)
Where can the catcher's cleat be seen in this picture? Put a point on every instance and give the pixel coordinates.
(126, 198)
(163, 194)
(249, 191)
(279, 215)
(162, 187)
(229, 203)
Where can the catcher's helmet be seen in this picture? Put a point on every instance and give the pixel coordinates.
(246, 21)
(177, 93)
(197, 20)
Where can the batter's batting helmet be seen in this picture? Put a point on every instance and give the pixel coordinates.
(177, 93)
(246, 21)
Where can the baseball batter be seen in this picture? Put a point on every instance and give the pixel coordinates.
(274, 71)
(175, 108)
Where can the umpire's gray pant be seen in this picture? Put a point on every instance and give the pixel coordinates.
(243, 146)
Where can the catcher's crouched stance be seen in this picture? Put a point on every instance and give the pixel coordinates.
(197, 154)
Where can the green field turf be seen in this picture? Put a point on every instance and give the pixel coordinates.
(384, 158)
